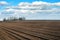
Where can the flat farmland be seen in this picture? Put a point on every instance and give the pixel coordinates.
(30, 30)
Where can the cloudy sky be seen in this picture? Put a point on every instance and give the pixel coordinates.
(31, 10)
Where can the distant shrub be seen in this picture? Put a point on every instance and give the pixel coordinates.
(21, 18)
(4, 19)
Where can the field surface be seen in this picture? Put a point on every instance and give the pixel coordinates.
(30, 30)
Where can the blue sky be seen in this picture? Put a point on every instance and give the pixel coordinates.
(43, 9)
(30, 0)
(15, 2)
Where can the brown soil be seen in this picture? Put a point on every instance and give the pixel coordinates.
(30, 30)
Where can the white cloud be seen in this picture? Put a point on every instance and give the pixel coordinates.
(26, 9)
(2, 3)
(57, 4)
(35, 7)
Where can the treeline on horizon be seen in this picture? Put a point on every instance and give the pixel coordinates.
(14, 19)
